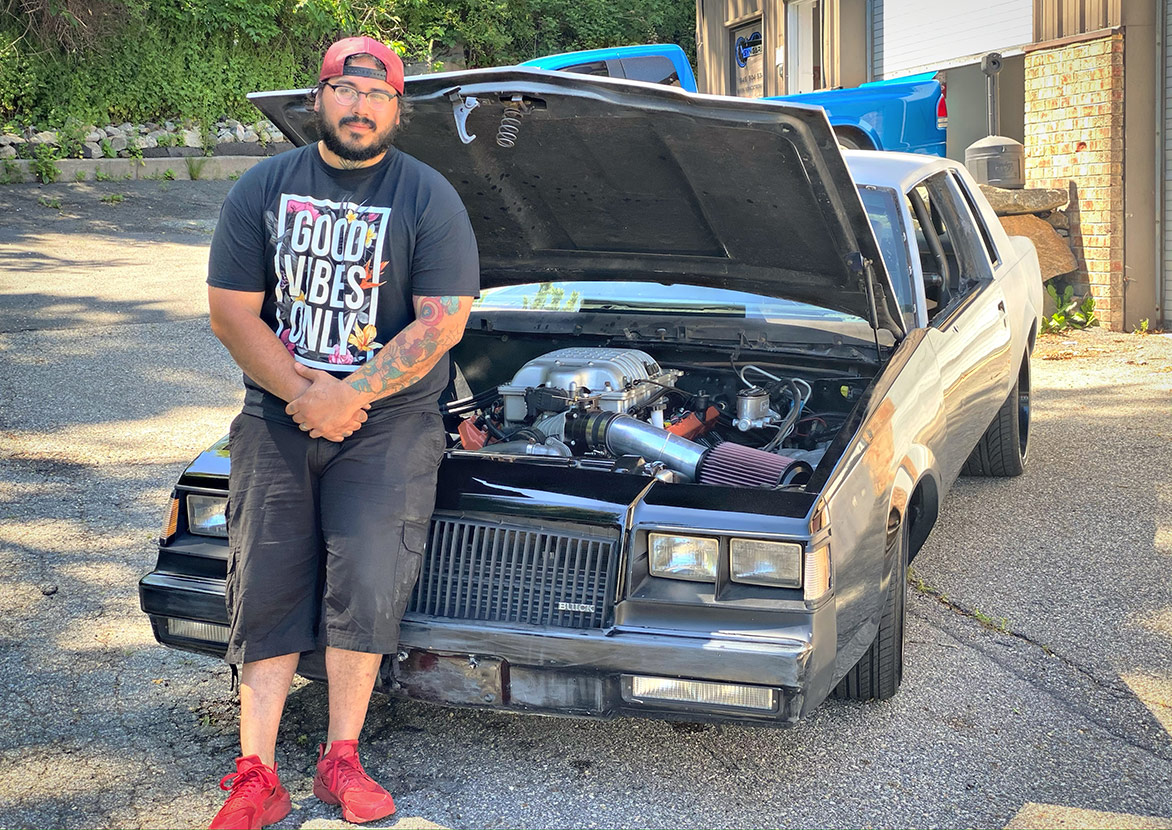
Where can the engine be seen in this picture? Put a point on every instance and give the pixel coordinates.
(610, 380)
(622, 406)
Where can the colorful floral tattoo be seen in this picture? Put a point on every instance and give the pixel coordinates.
(410, 354)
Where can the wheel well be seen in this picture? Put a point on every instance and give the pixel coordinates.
(922, 510)
(855, 136)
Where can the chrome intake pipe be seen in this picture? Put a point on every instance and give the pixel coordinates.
(625, 435)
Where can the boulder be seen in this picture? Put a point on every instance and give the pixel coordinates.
(192, 138)
(46, 137)
(93, 135)
(1058, 219)
(92, 150)
(1054, 254)
(118, 143)
(7, 151)
(9, 138)
(1027, 200)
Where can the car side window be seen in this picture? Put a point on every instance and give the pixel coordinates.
(591, 68)
(653, 68)
(952, 257)
(978, 220)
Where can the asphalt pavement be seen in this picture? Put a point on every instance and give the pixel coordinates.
(1038, 683)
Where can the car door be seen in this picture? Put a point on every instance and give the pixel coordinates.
(968, 326)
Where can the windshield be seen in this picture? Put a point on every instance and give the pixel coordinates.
(883, 209)
(642, 297)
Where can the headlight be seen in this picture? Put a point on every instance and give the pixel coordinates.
(205, 515)
(760, 562)
(683, 557)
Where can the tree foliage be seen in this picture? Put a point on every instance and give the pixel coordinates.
(102, 61)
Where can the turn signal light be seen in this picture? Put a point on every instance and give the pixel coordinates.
(171, 525)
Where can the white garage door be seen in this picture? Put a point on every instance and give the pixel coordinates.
(911, 36)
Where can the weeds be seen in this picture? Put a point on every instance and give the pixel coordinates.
(51, 202)
(44, 163)
(108, 151)
(1069, 312)
(113, 198)
(195, 165)
(12, 173)
(102, 176)
(79, 176)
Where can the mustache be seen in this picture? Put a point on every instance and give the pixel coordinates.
(356, 119)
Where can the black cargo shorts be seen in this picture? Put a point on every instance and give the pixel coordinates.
(325, 539)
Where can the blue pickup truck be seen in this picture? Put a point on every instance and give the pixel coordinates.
(905, 114)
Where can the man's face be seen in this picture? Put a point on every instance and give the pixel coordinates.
(358, 131)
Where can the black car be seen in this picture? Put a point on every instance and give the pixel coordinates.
(702, 417)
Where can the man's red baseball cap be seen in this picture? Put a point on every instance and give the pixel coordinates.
(334, 62)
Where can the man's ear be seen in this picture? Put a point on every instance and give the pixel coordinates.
(317, 100)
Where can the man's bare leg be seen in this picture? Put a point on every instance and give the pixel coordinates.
(351, 675)
(264, 685)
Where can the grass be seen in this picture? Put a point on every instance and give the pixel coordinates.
(195, 166)
(51, 202)
(113, 198)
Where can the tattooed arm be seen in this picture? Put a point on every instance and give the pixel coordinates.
(235, 320)
(403, 361)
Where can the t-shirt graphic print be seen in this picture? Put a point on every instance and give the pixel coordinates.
(329, 265)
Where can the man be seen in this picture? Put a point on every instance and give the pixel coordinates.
(340, 275)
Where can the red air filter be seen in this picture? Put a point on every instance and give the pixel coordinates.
(734, 465)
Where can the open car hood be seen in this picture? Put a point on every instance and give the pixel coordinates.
(619, 180)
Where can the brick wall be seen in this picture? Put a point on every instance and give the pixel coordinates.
(1074, 140)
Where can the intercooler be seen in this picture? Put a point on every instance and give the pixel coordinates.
(483, 570)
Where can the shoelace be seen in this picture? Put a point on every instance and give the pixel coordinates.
(244, 784)
(348, 773)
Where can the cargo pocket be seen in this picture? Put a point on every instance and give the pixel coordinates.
(410, 559)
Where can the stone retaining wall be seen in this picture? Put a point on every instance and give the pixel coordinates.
(144, 141)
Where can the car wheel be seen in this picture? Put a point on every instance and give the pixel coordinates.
(879, 672)
(1002, 449)
(850, 140)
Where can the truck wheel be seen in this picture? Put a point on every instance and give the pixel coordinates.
(879, 671)
(1002, 449)
(850, 139)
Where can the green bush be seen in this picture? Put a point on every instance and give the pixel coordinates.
(154, 60)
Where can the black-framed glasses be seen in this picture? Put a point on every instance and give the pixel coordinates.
(348, 96)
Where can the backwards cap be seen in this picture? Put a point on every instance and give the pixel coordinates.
(334, 62)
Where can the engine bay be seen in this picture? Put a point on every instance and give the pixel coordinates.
(705, 420)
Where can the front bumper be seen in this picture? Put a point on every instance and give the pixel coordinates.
(567, 672)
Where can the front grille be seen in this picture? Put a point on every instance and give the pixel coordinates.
(478, 570)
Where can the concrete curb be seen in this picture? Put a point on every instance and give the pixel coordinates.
(186, 168)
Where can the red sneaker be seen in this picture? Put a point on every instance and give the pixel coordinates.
(342, 780)
(256, 797)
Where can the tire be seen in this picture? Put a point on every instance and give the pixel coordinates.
(879, 671)
(850, 140)
(1003, 448)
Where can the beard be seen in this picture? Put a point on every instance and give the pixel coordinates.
(334, 142)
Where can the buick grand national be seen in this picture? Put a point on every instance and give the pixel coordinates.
(719, 383)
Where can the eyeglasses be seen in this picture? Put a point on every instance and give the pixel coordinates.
(348, 96)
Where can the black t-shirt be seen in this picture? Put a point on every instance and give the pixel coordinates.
(339, 255)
